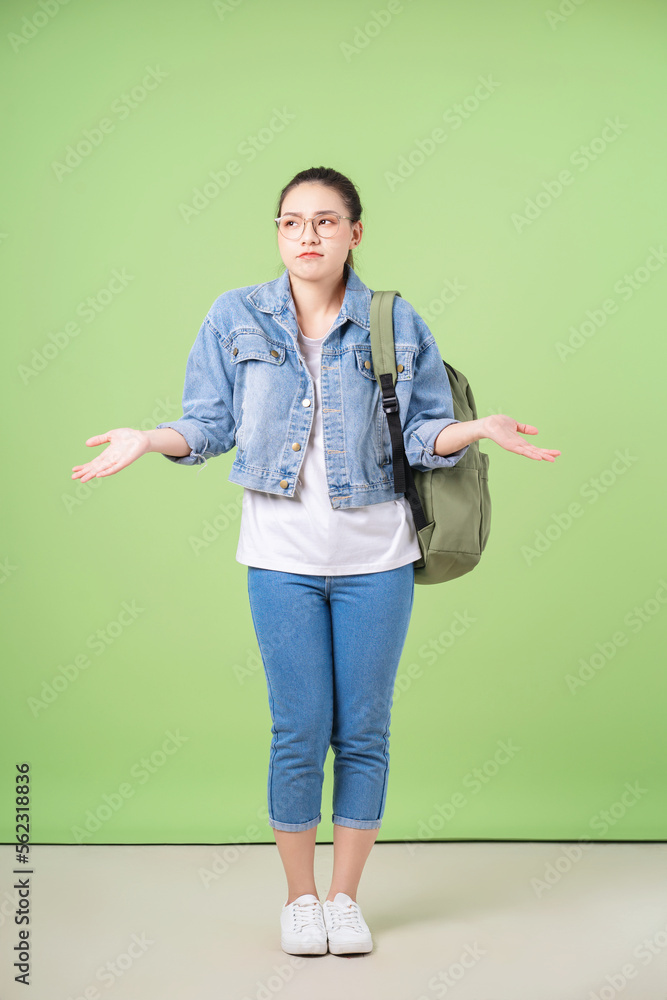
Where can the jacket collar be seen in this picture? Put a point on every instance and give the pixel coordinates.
(275, 296)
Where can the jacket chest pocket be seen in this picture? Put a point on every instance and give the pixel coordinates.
(405, 358)
(249, 345)
(257, 360)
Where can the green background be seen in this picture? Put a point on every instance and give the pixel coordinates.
(365, 86)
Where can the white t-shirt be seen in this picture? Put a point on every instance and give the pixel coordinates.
(304, 534)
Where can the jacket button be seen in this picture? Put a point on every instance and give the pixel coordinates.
(284, 483)
(305, 402)
(296, 446)
(235, 351)
(399, 368)
(274, 353)
(367, 364)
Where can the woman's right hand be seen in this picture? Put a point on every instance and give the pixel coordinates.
(125, 446)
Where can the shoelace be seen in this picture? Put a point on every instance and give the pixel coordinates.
(306, 913)
(347, 916)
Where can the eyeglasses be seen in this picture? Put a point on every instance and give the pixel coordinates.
(292, 226)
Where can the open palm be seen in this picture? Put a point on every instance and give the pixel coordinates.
(506, 432)
(126, 445)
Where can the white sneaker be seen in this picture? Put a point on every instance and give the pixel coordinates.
(347, 930)
(302, 930)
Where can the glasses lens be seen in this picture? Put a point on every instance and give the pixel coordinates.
(291, 226)
(326, 224)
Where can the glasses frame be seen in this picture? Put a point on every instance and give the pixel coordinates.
(312, 221)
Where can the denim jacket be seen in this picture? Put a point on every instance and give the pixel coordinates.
(247, 384)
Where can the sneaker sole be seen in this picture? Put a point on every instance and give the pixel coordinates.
(356, 948)
(303, 948)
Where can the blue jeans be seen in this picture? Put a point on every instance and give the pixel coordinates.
(330, 646)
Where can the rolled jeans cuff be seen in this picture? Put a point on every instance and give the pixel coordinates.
(295, 827)
(357, 824)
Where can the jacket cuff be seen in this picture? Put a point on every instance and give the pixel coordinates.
(194, 437)
(428, 432)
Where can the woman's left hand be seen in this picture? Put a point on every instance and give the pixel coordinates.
(506, 432)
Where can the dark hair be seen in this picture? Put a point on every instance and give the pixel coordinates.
(331, 178)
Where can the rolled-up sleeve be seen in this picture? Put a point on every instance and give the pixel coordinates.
(431, 407)
(207, 423)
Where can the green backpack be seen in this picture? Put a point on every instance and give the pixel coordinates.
(451, 506)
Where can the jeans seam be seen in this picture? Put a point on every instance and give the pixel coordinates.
(272, 750)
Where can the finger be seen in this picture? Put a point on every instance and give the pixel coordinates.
(92, 442)
(539, 454)
(530, 451)
(91, 474)
(104, 463)
(518, 450)
(526, 429)
(97, 465)
(86, 465)
(81, 470)
(102, 467)
(525, 447)
(111, 469)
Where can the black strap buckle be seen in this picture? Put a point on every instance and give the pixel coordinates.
(389, 403)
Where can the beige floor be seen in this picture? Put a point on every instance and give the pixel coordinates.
(472, 921)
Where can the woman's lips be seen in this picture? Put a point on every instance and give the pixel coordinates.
(310, 255)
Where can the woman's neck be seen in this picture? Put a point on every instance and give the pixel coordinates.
(316, 303)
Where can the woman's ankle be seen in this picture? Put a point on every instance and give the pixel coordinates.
(333, 893)
(301, 892)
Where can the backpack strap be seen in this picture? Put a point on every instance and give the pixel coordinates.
(384, 366)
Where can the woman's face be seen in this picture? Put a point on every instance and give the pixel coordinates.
(308, 199)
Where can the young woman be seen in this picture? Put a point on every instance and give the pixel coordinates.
(283, 371)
